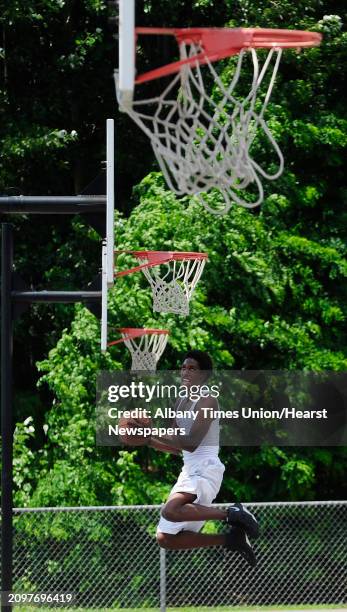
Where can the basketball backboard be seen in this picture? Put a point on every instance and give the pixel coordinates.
(125, 76)
(108, 242)
(104, 301)
(110, 200)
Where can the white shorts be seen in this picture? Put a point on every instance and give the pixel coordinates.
(203, 479)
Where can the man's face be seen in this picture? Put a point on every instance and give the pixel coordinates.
(191, 374)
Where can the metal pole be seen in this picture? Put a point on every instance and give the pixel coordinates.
(6, 410)
(104, 300)
(110, 201)
(58, 205)
(62, 297)
(162, 580)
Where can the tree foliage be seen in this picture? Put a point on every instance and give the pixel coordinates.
(247, 311)
(273, 294)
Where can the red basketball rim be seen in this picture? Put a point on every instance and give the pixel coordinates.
(219, 43)
(134, 332)
(155, 258)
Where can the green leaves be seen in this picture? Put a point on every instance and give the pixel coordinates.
(40, 141)
(269, 298)
(273, 294)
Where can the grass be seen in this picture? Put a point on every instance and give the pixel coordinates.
(313, 608)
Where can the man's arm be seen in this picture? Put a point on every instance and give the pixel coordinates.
(162, 446)
(156, 443)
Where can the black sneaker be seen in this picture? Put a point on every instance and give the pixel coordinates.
(237, 540)
(237, 514)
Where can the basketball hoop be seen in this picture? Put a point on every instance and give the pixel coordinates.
(202, 137)
(172, 276)
(145, 345)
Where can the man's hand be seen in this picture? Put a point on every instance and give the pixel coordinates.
(133, 439)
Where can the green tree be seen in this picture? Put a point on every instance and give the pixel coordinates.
(274, 292)
(255, 321)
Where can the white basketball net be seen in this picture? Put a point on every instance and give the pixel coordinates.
(145, 350)
(173, 283)
(203, 142)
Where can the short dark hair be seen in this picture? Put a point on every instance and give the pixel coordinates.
(203, 359)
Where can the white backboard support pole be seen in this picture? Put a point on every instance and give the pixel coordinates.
(127, 50)
(104, 291)
(108, 243)
(110, 200)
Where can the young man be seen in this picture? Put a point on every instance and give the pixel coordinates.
(189, 502)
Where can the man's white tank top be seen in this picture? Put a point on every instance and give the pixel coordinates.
(209, 445)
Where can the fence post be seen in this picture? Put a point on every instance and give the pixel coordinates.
(162, 580)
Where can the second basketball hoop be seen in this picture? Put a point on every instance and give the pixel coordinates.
(172, 276)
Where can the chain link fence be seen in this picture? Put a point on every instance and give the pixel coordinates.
(108, 556)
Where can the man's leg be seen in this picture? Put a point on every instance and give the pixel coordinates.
(180, 507)
(235, 540)
(185, 540)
